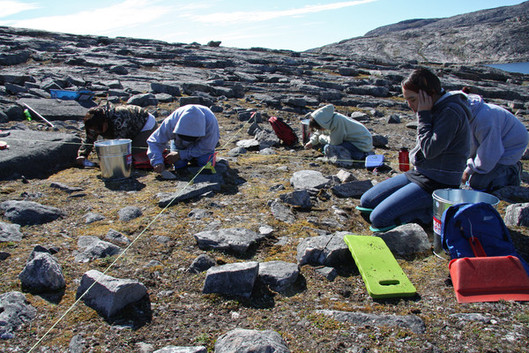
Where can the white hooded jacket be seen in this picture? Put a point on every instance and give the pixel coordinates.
(190, 120)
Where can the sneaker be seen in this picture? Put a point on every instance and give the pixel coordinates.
(364, 209)
(383, 229)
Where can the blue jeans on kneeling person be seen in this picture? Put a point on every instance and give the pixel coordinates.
(356, 154)
(200, 160)
(500, 176)
(397, 201)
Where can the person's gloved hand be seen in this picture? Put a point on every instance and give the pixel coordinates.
(172, 157)
(465, 177)
(80, 161)
(159, 168)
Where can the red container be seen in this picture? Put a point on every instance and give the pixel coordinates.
(404, 160)
(489, 279)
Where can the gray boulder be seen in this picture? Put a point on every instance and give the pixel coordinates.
(517, 215)
(298, 198)
(143, 100)
(129, 213)
(116, 237)
(235, 279)
(10, 232)
(267, 138)
(201, 263)
(42, 272)
(29, 212)
(94, 248)
(237, 240)
(281, 212)
(354, 189)
(15, 310)
(166, 87)
(345, 176)
(91, 217)
(108, 295)
(278, 275)
(249, 144)
(328, 250)
(308, 179)
(407, 240)
(250, 341)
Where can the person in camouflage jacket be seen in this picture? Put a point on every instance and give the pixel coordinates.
(115, 122)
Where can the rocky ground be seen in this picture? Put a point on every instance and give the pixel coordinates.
(163, 244)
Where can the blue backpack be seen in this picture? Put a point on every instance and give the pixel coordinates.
(475, 230)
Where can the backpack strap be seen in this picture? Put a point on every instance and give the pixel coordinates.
(476, 246)
(474, 242)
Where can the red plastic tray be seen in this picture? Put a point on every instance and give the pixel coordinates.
(489, 279)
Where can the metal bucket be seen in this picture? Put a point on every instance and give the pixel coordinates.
(444, 198)
(115, 158)
(305, 130)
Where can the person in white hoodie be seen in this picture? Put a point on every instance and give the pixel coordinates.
(193, 132)
(498, 142)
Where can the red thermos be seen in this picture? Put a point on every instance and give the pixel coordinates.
(404, 160)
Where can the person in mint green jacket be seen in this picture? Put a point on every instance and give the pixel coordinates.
(337, 132)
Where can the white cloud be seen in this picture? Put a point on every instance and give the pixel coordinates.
(100, 21)
(13, 7)
(256, 16)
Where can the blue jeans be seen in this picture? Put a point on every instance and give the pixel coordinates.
(200, 160)
(397, 201)
(500, 176)
(356, 154)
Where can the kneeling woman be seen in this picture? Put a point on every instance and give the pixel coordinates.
(443, 143)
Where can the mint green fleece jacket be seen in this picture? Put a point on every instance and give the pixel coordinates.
(340, 129)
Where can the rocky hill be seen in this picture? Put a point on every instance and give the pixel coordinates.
(269, 223)
(491, 36)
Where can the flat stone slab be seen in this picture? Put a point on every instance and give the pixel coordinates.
(166, 199)
(58, 109)
(237, 240)
(37, 154)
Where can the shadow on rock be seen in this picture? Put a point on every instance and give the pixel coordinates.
(134, 315)
(54, 297)
(521, 243)
(128, 184)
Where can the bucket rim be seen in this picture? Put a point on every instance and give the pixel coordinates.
(436, 196)
(115, 142)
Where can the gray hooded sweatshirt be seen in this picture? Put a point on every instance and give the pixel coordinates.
(190, 120)
(443, 140)
(498, 137)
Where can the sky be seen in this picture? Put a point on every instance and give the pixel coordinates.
(287, 24)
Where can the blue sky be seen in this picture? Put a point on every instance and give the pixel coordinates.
(287, 24)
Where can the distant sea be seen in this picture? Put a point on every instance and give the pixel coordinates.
(514, 67)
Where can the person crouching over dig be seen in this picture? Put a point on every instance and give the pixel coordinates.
(339, 135)
(193, 134)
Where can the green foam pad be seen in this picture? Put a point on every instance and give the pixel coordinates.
(382, 274)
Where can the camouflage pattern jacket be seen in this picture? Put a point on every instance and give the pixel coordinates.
(124, 121)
